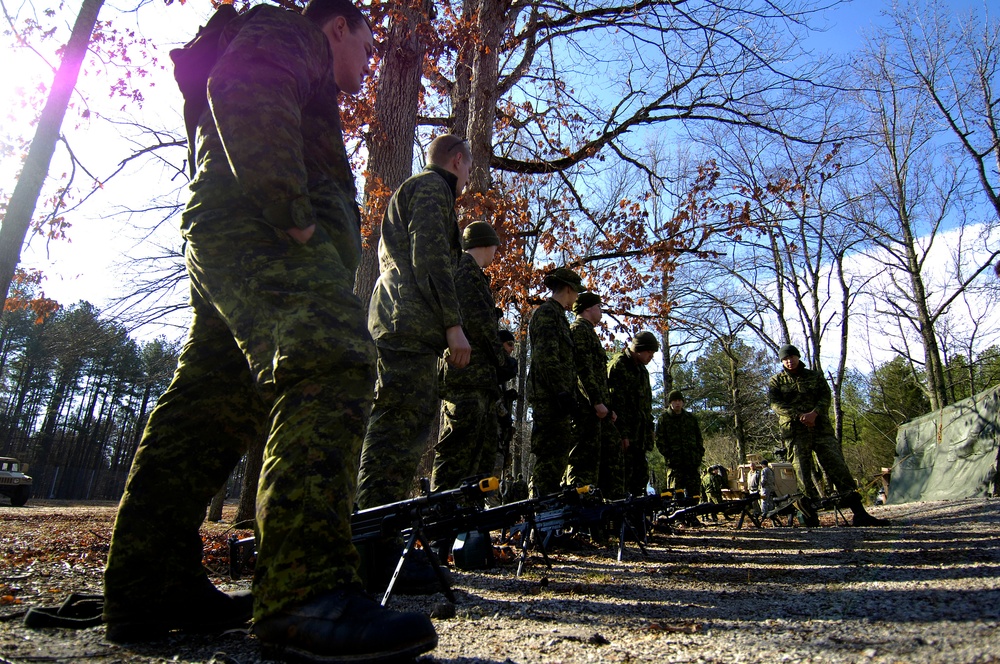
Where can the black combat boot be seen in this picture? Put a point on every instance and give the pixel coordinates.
(196, 607)
(344, 626)
(861, 516)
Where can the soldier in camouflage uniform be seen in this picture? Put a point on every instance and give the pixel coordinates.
(711, 487)
(469, 432)
(801, 398)
(508, 395)
(552, 381)
(277, 347)
(591, 362)
(632, 401)
(678, 437)
(414, 317)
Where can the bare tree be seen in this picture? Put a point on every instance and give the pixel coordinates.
(21, 207)
(955, 60)
(925, 234)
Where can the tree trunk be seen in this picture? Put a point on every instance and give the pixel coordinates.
(492, 20)
(390, 142)
(22, 202)
(739, 425)
(215, 507)
(247, 511)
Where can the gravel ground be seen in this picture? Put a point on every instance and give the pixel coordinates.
(926, 589)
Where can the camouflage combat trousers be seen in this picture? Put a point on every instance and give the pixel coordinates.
(585, 455)
(551, 438)
(611, 472)
(278, 347)
(406, 405)
(469, 436)
(688, 479)
(831, 458)
(636, 469)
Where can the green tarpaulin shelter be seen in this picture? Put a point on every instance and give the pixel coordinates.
(949, 454)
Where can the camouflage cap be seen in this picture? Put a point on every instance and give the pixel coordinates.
(586, 301)
(645, 341)
(563, 276)
(479, 234)
(675, 395)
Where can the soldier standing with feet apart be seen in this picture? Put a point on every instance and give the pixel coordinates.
(801, 399)
(277, 347)
(552, 381)
(632, 399)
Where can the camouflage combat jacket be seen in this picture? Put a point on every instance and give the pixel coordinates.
(631, 399)
(552, 371)
(678, 437)
(271, 144)
(591, 363)
(415, 301)
(480, 324)
(790, 395)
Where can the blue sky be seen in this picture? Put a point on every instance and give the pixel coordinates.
(87, 266)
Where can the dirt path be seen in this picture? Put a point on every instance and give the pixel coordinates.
(926, 589)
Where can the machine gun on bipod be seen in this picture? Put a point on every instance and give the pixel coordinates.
(419, 519)
(784, 506)
(832, 502)
(633, 517)
(743, 506)
(787, 506)
(536, 521)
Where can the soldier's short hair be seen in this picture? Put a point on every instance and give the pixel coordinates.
(321, 11)
(443, 148)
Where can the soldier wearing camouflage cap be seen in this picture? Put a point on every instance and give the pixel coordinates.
(552, 381)
(277, 349)
(591, 361)
(801, 398)
(469, 396)
(632, 399)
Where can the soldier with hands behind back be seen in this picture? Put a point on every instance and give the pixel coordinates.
(592, 396)
(632, 400)
(678, 437)
(469, 432)
(552, 381)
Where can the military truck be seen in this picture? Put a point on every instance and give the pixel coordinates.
(739, 478)
(14, 483)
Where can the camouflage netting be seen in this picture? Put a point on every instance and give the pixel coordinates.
(949, 454)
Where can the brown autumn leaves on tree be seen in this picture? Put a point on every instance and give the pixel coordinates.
(552, 98)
